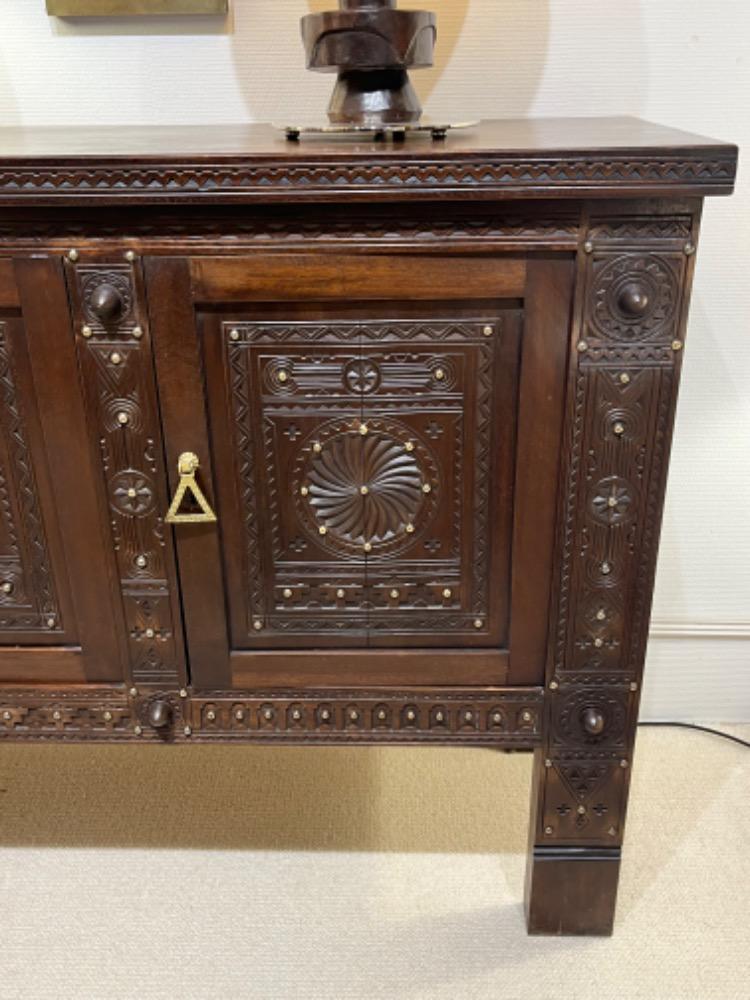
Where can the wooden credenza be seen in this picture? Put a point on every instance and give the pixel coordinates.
(428, 389)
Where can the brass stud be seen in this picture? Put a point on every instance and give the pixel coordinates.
(137, 332)
(211, 715)
(676, 345)
(368, 546)
(322, 530)
(287, 593)
(130, 256)
(183, 693)
(122, 418)
(526, 716)
(598, 642)
(115, 358)
(7, 587)
(138, 731)
(409, 529)
(497, 718)
(581, 810)
(325, 715)
(488, 331)
(588, 247)
(611, 501)
(553, 685)
(141, 562)
(7, 716)
(411, 715)
(478, 623)
(689, 249)
(354, 715)
(234, 335)
(582, 346)
(341, 594)
(439, 716)
(612, 832)
(409, 446)
(296, 715)
(447, 593)
(51, 622)
(619, 429)
(364, 490)
(625, 378)
(633, 685)
(364, 429)
(283, 377)
(132, 493)
(426, 488)
(57, 716)
(317, 447)
(107, 716)
(623, 763)
(439, 374)
(73, 255)
(601, 614)
(548, 830)
(548, 763)
(239, 714)
(258, 625)
(395, 595)
(268, 714)
(304, 491)
(382, 715)
(87, 332)
(606, 569)
(188, 731)
(149, 633)
(133, 692)
(468, 716)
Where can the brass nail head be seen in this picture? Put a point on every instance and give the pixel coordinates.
(582, 346)
(107, 716)
(689, 249)
(211, 715)
(341, 594)
(601, 614)
(633, 685)
(234, 335)
(548, 763)
(676, 345)
(598, 642)
(287, 592)
(137, 332)
(394, 594)
(488, 331)
(364, 490)
(73, 255)
(134, 692)
(364, 429)
(138, 730)
(130, 256)
(122, 418)
(7, 587)
(115, 358)
(258, 625)
(625, 378)
(183, 693)
(187, 731)
(409, 446)
(619, 429)
(588, 247)
(582, 810)
(623, 763)
(141, 562)
(322, 530)
(317, 447)
(553, 685)
(87, 332)
(478, 623)
(427, 488)
(51, 622)
(411, 715)
(368, 546)
(409, 529)
(57, 716)
(150, 633)
(304, 491)
(526, 716)
(439, 374)
(447, 593)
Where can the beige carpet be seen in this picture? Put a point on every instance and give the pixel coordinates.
(201, 873)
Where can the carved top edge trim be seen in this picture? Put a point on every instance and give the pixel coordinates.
(341, 179)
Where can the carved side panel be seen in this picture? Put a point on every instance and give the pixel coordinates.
(618, 432)
(115, 358)
(28, 598)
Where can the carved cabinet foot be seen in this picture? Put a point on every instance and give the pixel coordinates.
(572, 890)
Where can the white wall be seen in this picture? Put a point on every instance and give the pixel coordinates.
(685, 64)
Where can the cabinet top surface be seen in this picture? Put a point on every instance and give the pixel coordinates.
(504, 158)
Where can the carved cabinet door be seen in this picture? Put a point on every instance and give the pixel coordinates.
(59, 621)
(356, 424)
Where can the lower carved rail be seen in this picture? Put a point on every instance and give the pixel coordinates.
(508, 718)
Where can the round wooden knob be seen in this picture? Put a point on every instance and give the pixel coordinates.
(106, 302)
(592, 721)
(159, 714)
(633, 300)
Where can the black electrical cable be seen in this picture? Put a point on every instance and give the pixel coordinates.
(702, 729)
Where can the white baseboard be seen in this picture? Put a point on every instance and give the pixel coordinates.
(699, 630)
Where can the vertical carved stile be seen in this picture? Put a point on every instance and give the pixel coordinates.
(625, 364)
(115, 357)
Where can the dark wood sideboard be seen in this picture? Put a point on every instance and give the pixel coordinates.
(428, 390)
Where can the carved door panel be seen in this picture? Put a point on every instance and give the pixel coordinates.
(57, 624)
(359, 446)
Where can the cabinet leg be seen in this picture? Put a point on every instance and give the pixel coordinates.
(577, 814)
(571, 890)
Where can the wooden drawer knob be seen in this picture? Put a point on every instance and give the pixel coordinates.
(106, 302)
(633, 300)
(593, 721)
(159, 714)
